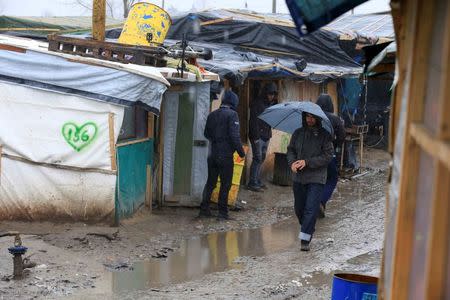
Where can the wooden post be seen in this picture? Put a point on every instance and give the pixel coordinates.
(414, 65)
(149, 188)
(159, 188)
(1, 152)
(98, 20)
(151, 125)
(112, 144)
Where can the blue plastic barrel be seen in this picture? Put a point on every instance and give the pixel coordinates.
(354, 287)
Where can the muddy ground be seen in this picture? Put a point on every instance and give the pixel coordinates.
(170, 254)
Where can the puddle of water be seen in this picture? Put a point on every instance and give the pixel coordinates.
(214, 252)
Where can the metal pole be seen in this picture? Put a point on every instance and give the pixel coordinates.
(162, 4)
(274, 6)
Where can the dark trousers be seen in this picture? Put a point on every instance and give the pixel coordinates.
(332, 179)
(306, 205)
(259, 151)
(223, 167)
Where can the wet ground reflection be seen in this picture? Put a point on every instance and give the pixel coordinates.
(215, 252)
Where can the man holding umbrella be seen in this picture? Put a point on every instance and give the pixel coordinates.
(308, 154)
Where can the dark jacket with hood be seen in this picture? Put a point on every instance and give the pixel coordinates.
(312, 144)
(258, 129)
(324, 101)
(222, 128)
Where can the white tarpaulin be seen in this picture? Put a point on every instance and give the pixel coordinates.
(56, 155)
(49, 127)
(31, 192)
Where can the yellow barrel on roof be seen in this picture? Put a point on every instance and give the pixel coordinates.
(147, 25)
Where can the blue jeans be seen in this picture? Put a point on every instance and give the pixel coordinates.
(332, 179)
(259, 151)
(306, 206)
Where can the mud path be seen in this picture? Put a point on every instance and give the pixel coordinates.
(170, 254)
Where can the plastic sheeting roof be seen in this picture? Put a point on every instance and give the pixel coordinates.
(237, 63)
(30, 63)
(374, 26)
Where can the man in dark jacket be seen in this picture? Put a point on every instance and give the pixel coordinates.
(325, 102)
(309, 152)
(222, 131)
(259, 134)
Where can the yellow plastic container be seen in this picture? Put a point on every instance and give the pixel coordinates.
(235, 181)
(147, 25)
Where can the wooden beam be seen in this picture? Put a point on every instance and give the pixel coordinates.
(149, 188)
(437, 251)
(98, 20)
(112, 142)
(1, 152)
(132, 142)
(151, 125)
(416, 39)
(437, 149)
(12, 48)
(216, 21)
(159, 188)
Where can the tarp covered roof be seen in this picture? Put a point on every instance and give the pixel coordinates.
(40, 27)
(236, 63)
(28, 62)
(261, 32)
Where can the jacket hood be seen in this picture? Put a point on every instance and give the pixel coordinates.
(318, 120)
(231, 99)
(324, 101)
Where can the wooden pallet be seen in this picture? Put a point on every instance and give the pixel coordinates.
(139, 55)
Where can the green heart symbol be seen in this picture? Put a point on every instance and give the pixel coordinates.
(79, 136)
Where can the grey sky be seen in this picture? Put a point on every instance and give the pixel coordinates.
(69, 8)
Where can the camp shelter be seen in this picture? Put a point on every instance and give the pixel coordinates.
(39, 27)
(251, 49)
(61, 119)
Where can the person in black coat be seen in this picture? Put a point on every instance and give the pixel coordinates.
(222, 131)
(259, 134)
(325, 102)
(309, 153)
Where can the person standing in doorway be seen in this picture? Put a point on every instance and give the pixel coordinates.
(259, 134)
(308, 154)
(222, 131)
(325, 102)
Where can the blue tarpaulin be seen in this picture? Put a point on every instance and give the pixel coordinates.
(310, 15)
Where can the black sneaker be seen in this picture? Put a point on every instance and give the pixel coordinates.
(254, 188)
(224, 218)
(205, 214)
(321, 214)
(263, 186)
(304, 245)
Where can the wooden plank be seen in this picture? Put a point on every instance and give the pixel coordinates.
(216, 21)
(112, 144)
(151, 125)
(159, 188)
(98, 20)
(149, 188)
(1, 152)
(12, 48)
(437, 149)
(437, 252)
(132, 142)
(332, 91)
(415, 66)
